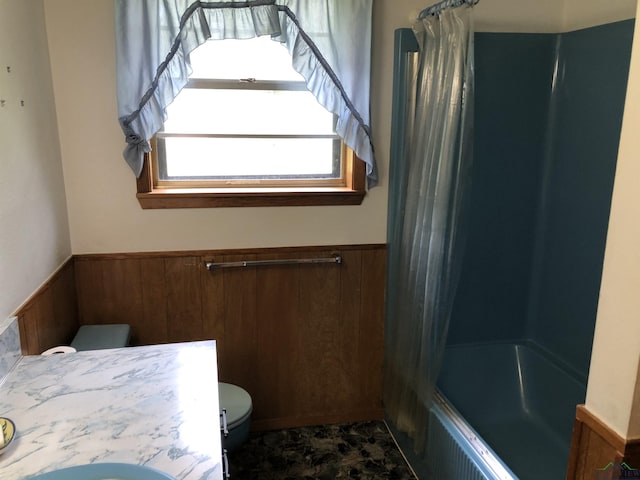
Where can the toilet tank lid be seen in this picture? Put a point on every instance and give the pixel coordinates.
(236, 401)
(100, 337)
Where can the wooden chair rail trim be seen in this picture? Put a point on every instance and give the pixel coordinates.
(229, 251)
(598, 426)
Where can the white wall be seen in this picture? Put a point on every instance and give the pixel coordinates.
(34, 233)
(540, 16)
(103, 213)
(579, 14)
(549, 16)
(614, 388)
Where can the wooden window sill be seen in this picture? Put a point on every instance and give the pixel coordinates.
(263, 197)
(151, 196)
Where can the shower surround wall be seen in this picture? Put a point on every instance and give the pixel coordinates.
(548, 117)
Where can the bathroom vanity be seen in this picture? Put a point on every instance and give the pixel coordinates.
(155, 406)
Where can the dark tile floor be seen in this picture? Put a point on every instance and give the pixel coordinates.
(364, 451)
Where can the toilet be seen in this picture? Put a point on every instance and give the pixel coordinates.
(236, 402)
(95, 337)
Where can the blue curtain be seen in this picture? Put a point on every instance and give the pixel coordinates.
(329, 42)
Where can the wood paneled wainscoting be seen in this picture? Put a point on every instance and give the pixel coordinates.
(598, 452)
(50, 317)
(306, 341)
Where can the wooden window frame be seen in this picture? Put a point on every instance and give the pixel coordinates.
(349, 189)
(352, 193)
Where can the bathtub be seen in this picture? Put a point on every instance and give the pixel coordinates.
(508, 409)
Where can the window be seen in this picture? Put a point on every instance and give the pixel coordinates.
(246, 132)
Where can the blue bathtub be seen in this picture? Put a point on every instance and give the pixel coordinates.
(519, 400)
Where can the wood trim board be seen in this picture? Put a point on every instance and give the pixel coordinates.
(595, 446)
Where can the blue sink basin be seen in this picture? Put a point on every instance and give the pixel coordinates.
(105, 471)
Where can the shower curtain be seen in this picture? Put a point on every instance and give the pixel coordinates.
(426, 207)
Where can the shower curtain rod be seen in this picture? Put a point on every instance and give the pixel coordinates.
(445, 4)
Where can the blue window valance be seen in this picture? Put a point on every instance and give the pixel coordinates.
(329, 42)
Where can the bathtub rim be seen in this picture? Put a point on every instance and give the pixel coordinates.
(487, 458)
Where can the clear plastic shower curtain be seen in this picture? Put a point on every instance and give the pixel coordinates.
(426, 217)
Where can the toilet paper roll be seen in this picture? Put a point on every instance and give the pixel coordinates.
(59, 349)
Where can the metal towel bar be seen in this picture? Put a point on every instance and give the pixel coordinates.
(262, 263)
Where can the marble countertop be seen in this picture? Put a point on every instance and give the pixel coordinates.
(154, 406)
